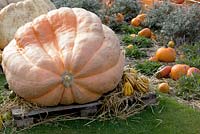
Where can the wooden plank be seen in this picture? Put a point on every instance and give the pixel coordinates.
(19, 113)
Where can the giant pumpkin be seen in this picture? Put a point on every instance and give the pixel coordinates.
(66, 56)
(17, 14)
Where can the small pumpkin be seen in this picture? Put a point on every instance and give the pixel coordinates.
(163, 72)
(166, 54)
(193, 70)
(163, 87)
(146, 32)
(133, 35)
(153, 58)
(171, 44)
(130, 46)
(178, 71)
(141, 17)
(135, 22)
(153, 36)
(63, 57)
(119, 17)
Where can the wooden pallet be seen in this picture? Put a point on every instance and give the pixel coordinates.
(24, 119)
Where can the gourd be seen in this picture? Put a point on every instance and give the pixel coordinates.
(178, 71)
(63, 57)
(17, 14)
(166, 54)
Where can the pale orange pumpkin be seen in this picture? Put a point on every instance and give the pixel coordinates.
(66, 56)
(178, 71)
(146, 32)
(193, 70)
(166, 54)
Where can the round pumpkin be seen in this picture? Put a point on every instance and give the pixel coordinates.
(163, 87)
(66, 56)
(146, 32)
(193, 70)
(171, 44)
(178, 71)
(135, 22)
(166, 54)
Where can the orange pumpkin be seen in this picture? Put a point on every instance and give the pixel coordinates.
(141, 17)
(193, 70)
(146, 32)
(135, 22)
(163, 72)
(166, 54)
(66, 56)
(163, 87)
(178, 71)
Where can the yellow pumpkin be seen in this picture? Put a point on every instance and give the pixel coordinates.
(171, 44)
(130, 46)
(63, 57)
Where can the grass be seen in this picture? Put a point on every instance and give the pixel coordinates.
(169, 117)
(147, 67)
(191, 54)
(135, 52)
(189, 87)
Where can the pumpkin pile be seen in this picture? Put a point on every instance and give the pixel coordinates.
(176, 71)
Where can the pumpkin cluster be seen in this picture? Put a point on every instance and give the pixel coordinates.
(65, 56)
(176, 71)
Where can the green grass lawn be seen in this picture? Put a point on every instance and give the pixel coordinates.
(169, 117)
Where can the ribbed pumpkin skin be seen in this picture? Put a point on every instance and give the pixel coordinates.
(64, 41)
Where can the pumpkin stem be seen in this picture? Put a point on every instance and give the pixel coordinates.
(67, 79)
